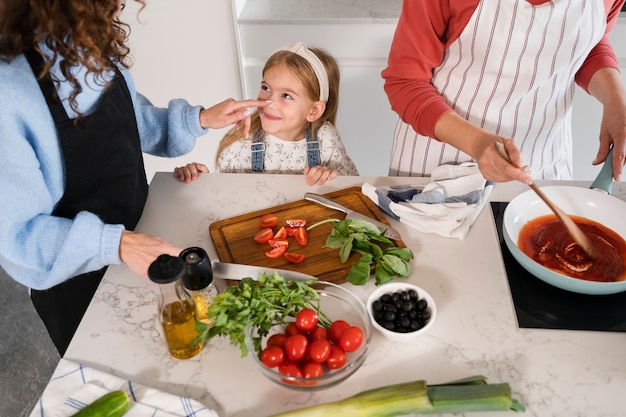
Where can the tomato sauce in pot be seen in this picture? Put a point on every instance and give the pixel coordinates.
(545, 240)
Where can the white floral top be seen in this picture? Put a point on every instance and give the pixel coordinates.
(287, 157)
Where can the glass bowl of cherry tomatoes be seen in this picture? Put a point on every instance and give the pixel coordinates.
(320, 347)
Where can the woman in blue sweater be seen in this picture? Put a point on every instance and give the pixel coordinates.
(72, 133)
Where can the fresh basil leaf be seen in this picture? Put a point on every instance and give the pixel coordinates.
(360, 272)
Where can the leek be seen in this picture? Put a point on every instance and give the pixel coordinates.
(416, 397)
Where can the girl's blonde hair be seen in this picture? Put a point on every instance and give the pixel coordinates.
(304, 72)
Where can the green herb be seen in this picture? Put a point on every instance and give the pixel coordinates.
(356, 235)
(261, 303)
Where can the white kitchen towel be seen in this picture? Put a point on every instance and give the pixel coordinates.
(73, 386)
(447, 206)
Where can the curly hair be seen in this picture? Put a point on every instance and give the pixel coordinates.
(81, 33)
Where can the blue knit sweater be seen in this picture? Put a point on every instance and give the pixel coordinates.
(37, 249)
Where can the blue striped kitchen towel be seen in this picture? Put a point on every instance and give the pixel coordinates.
(447, 206)
(73, 386)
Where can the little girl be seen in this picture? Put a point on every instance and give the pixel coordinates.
(294, 134)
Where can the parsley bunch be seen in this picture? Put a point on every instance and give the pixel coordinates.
(356, 235)
(260, 303)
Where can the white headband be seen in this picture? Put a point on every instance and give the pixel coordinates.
(301, 49)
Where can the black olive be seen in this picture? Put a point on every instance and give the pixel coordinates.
(377, 305)
(425, 315)
(415, 325)
(389, 316)
(395, 297)
(422, 304)
(404, 322)
(404, 296)
(391, 308)
(385, 298)
(413, 314)
(407, 306)
(413, 294)
(389, 325)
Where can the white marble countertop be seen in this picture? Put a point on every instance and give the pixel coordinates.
(553, 372)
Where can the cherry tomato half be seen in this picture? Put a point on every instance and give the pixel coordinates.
(291, 231)
(319, 350)
(280, 234)
(296, 346)
(306, 320)
(277, 252)
(336, 329)
(272, 356)
(337, 358)
(301, 236)
(295, 222)
(294, 258)
(268, 220)
(263, 235)
(351, 339)
(274, 243)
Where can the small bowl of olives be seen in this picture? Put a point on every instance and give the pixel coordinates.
(401, 311)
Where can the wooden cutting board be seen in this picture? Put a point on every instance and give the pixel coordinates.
(233, 237)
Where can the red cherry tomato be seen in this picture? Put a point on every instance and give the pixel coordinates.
(301, 236)
(306, 320)
(291, 329)
(280, 234)
(312, 370)
(294, 258)
(351, 339)
(290, 369)
(319, 350)
(337, 358)
(272, 356)
(291, 231)
(274, 243)
(268, 220)
(277, 339)
(296, 346)
(277, 252)
(263, 235)
(295, 222)
(318, 333)
(336, 329)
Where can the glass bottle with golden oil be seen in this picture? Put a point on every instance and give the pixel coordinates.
(198, 280)
(177, 311)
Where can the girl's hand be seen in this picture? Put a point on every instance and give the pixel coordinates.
(228, 112)
(139, 250)
(190, 172)
(318, 175)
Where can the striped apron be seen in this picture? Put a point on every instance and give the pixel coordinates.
(511, 72)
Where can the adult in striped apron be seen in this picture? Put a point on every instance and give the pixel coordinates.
(510, 72)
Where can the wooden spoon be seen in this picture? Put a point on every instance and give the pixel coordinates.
(570, 226)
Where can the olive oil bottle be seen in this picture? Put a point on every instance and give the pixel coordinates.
(177, 311)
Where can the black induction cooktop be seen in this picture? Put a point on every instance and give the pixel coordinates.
(541, 305)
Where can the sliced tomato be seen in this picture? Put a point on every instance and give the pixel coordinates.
(295, 222)
(301, 236)
(280, 234)
(268, 220)
(294, 258)
(291, 231)
(263, 235)
(277, 252)
(274, 243)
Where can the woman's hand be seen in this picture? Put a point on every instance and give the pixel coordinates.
(228, 112)
(139, 250)
(318, 175)
(190, 172)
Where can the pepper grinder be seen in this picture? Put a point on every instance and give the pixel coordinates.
(177, 311)
(198, 280)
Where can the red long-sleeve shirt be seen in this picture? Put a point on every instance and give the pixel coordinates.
(424, 31)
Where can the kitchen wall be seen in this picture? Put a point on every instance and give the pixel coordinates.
(184, 49)
(187, 49)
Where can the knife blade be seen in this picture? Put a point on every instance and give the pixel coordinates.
(390, 232)
(225, 271)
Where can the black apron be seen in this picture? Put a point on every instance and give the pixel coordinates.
(105, 175)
